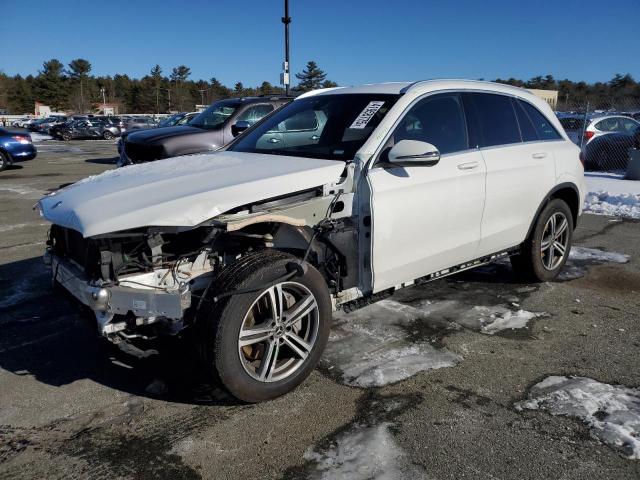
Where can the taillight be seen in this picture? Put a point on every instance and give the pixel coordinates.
(22, 140)
(588, 134)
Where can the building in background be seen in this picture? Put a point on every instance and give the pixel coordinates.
(549, 96)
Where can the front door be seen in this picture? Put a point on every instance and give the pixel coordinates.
(425, 219)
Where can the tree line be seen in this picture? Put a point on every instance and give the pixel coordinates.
(74, 88)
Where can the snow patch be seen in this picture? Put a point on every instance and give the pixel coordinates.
(509, 320)
(596, 255)
(40, 137)
(610, 194)
(612, 412)
(372, 346)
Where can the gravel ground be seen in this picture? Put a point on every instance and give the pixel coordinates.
(71, 408)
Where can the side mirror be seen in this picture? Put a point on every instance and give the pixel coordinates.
(239, 127)
(412, 153)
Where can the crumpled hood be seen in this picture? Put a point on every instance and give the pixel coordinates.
(181, 191)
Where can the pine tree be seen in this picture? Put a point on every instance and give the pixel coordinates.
(156, 74)
(50, 86)
(179, 75)
(79, 70)
(238, 89)
(311, 77)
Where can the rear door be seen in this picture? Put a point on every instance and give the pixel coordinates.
(519, 173)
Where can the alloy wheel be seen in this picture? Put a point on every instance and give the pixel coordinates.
(555, 239)
(278, 332)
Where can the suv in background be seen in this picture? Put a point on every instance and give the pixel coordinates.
(209, 130)
(336, 200)
(139, 123)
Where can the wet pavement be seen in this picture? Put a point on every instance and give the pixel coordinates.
(425, 384)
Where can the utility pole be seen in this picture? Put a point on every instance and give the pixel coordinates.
(169, 93)
(284, 77)
(104, 101)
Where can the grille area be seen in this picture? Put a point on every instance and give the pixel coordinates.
(68, 243)
(139, 152)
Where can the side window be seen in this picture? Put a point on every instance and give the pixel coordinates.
(438, 120)
(255, 113)
(495, 119)
(305, 120)
(527, 130)
(629, 125)
(543, 126)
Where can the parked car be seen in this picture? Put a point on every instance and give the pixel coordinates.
(611, 151)
(89, 128)
(573, 125)
(23, 122)
(35, 125)
(171, 120)
(46, 125)
(187, 118)
(139, 123)
(336, 200)
(15, 146)
(608, 124)
(208, 130)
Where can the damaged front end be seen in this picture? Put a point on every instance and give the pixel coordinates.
(147, 282)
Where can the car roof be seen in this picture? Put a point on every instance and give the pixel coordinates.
(425, 86)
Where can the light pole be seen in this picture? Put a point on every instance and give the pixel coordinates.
(284, 78)
(169, 93)
(202, 96)
(104, 101)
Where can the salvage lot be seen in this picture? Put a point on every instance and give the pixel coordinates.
(422, 385)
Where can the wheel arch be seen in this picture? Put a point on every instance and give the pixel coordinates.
(569, 193)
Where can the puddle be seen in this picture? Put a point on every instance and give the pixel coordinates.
(612, 412)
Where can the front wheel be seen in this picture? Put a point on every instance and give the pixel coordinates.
(546, 251)
(107, 135)
(4, 161)
(264, 343)
(66, 136)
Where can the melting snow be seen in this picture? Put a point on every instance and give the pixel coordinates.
(611, 412)
(365, 451)
(610, 194)
(39, 137)
(596, 255)
(372, 346)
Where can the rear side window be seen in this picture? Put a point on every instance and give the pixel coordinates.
(543, 126)
(438, 120)
(494, 119)
(529, 133)
(255, 113)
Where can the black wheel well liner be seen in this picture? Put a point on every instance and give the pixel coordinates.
(566, 191)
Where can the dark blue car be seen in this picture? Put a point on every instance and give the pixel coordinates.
(15, 146)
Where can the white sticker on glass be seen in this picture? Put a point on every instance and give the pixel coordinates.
(367, 114)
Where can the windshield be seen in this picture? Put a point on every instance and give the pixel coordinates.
(216, 115)
(171, 120)
(332, 126)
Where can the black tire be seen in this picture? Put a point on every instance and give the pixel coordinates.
(219, 324)
(66, 136)
(532, 264)
(4, 161)
(107, 135)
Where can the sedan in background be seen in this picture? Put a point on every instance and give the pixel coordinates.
(611, 151)
(140, 123)
(606, 125)
(15, 146)
(89, 128)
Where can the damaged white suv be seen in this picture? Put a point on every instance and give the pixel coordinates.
(334, 201)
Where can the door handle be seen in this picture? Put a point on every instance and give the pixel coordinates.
(468, 166)
(540, 155)
(273, 140)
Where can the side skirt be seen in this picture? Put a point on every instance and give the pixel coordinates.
(370, 298)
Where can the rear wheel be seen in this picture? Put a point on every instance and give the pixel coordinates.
(107, 135)
(264, 343)
(66, 136)
(545, 252)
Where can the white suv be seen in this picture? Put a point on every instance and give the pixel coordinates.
(333, 201)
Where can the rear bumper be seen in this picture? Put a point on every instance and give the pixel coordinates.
(109, 301)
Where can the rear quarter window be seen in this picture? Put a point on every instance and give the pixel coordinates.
(544, 128)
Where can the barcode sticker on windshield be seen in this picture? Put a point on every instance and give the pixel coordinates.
(367, 114)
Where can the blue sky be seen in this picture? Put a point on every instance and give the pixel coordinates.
(354, 41)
